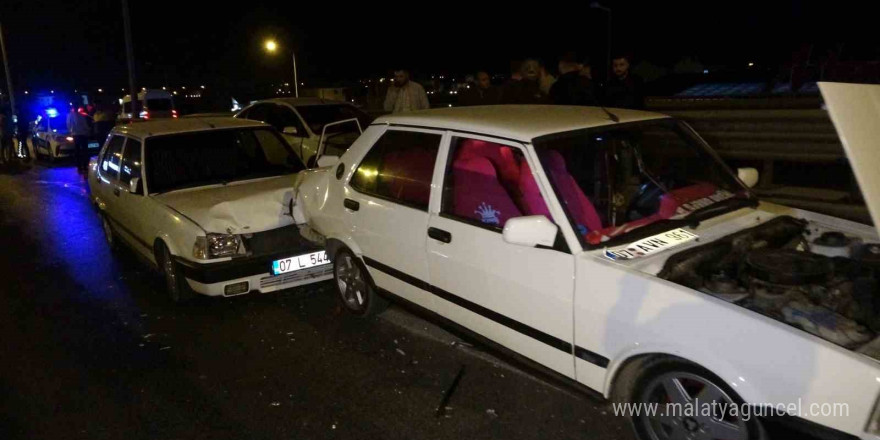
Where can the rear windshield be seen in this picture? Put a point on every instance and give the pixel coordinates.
(220, 156)
(159, 105)
(316, 116)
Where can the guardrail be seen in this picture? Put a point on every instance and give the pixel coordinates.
(772, 134)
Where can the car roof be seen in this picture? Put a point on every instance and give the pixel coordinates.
(170, 126)
(518, 122)
(303, 101)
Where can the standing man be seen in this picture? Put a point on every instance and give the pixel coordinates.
(528, 89)
(624, 89)
(572, 88)
(78, 127)
(405, 95)
(483, 92)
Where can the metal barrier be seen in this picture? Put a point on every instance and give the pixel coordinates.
(772, 133)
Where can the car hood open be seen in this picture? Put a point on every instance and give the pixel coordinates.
(855, 111)
(236, 208)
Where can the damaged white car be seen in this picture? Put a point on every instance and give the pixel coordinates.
(614, 248)
(208, 202)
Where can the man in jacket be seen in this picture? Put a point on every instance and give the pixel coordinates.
(78, 128)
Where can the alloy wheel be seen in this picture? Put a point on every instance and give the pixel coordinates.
(690, 407)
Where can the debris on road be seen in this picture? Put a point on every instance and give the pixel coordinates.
(441, 409)
(402, 353)
(491, 412)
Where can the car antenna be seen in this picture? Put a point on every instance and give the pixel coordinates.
(611, 116)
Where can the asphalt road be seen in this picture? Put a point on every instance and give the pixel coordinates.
(90, 348)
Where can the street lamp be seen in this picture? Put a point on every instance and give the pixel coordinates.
(272, 47)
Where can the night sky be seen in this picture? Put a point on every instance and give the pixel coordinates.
(69, 44)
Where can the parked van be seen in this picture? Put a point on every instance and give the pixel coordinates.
(153, 104)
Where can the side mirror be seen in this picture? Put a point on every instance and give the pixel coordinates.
(135, 186)
(749, 176)
(290, 130)
(327, 161)
(530, 231)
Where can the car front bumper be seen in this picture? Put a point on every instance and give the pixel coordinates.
(225, 278)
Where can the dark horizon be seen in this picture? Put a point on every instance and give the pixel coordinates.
(67, 45)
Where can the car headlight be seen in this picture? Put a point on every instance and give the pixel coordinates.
(217, 245)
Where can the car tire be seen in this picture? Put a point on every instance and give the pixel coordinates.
(109, 233)
(175, 281)
(670, 380)
(354, 287)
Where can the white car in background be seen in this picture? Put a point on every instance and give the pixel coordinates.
(152, 104)
(615, 249)
(50, 139)
(311, 124)
(208, 203)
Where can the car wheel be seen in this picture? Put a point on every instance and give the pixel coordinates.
(109, 235)
(353, 285)
(178, 289)
(690, 402)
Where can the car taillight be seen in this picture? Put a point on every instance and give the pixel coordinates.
(173, 113)
(69, 139)
(145, 114)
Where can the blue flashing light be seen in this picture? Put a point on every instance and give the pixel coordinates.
(52, 112)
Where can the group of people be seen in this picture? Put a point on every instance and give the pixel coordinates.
(531, 83)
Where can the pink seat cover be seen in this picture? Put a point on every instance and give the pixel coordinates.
(477, 194)
(501, 156)
(580, 207)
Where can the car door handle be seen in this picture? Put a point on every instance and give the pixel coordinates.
(116, 191)
(440, 235)
(351, 204)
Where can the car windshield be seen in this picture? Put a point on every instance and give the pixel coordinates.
(219, 156)
(618, 179)
(316, 116)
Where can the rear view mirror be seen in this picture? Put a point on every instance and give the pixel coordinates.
(749, 176)
(530, 231)
(327, 161)
(135, 186)
(290, 130)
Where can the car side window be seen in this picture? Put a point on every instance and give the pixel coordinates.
(487, 183)
(257, 113)
(399, 167)
(131, 161)
(285, 117)
(112, 157)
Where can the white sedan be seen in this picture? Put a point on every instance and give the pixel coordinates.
(615, 249)
(313, 126)
(207, 201)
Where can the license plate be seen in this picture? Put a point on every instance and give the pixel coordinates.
(299, 262)
(94, 145)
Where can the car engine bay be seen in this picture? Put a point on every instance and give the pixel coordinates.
(796, 271)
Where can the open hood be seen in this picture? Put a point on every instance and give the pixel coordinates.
(855, 112)
(237, 208)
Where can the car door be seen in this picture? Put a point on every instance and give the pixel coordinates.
(520, 297)
(108, 177)
(284, 119)
(387, 210)
(134, 207)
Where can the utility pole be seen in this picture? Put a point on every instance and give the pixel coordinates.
(8, 74)
(129, 55)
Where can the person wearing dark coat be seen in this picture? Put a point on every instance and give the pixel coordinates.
(482, 93)
(624, 89)
(528, 89)
(572, 88)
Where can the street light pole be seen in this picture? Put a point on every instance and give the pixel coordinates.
(8, 75)
(596, 5)
(129, 55)
(295, 80)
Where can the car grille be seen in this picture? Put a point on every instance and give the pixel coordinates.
(293, 277)
(286, 238)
